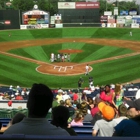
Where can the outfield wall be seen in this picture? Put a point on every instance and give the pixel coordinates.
(10, 19)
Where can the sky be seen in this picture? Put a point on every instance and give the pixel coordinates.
(137, 1)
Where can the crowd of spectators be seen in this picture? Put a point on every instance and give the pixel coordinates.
(109, 111)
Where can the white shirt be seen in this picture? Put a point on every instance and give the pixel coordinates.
(65, 97)
(87, 67)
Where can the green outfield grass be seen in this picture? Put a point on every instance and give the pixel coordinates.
(20, 72)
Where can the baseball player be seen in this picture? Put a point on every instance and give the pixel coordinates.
(87, 70)
(130, 33)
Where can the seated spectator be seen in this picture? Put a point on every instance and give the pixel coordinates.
(78, 120)
(74, 105)
(130, 127)
(17, 118)
(54, 103)
(105, 126)
(122, 112)
(75, 96)
(62, 103)
(90, 102)
(60, 116)
(65, 96)
(39, 102)
(95, 109)
(68, 104)
(59, 97)
(19, 97)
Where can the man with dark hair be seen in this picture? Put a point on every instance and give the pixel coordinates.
(60, 116)
(39, 102)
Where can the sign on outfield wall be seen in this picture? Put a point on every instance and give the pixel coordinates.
(123, 12)
(132, 13)
(66, 5)
(111, 25)
(87, 5)
(120, 21)
(134, 25)
(23, 26)
(103, 19)
(136, 19)
(38, 26)
(78, 5)
(107, 13)
(58, 25)
(116, 12)
(111, 19)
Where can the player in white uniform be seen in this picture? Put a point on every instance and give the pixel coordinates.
(130, 33)
(52, 57)
(87, 70)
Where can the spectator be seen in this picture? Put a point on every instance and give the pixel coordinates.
(17, 118)
(78, 120)
(105, 126)
(108, 95)
(75, 96)
(65, 96)
(68, 104)
(62, 103)
(95, 109)
(130, 127)
(39, 102)
(122, 111)
(59, 97)
(119, 93)
(60, 116)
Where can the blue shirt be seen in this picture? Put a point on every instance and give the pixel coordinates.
(128, 128)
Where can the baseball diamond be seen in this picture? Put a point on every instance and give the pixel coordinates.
(31, 56)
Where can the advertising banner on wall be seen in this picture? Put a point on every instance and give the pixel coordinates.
(38, 26)
(135, 25)
(120, 21)
(111, 25)
(52, 20)
(136, 19)
(119, 25)
(128, 21)
(116, 12)
(5, 22)
(87, 5)
(132, 13)
(103, 25)
(124, 13)
(111, 19)
(107, 13)
(58, 25)
(58, 18)
(66, 5)
(78, 5)
(103, 19)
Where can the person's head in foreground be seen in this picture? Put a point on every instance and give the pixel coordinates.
(60, 116)
(39, 101)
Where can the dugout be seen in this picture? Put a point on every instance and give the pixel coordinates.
(79, 13)
(10, 19)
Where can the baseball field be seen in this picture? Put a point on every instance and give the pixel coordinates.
(113, 56)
